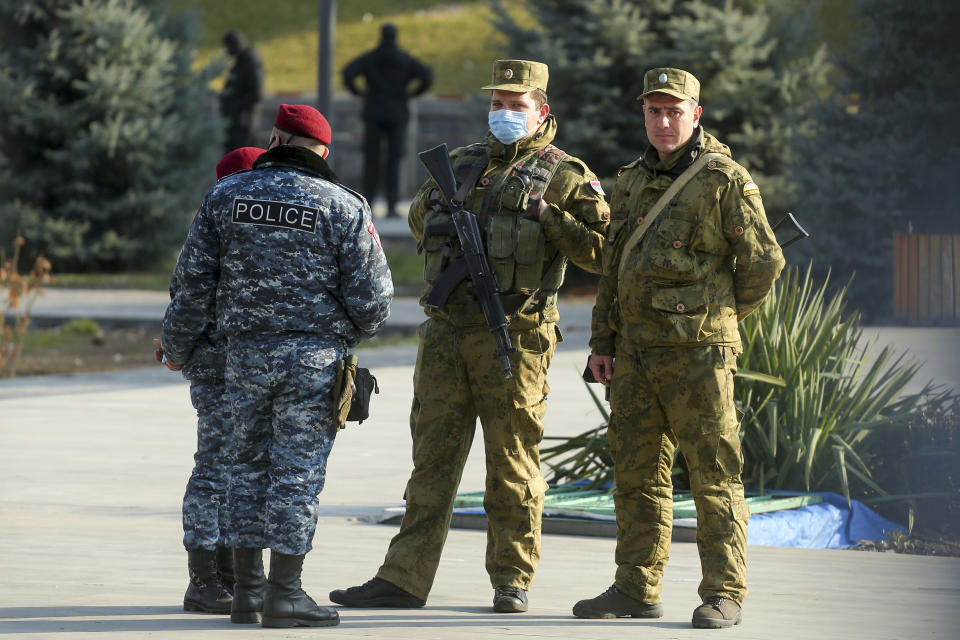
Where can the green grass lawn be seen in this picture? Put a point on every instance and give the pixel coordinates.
(406, 267)
(456, 39)
(81, 346)
(149, 280)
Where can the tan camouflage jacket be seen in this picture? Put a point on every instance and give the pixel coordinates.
(707, 261)
(520, 250)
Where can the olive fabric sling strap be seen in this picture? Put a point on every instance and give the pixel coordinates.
(662, 203)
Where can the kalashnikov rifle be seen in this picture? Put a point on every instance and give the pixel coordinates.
(472, 257)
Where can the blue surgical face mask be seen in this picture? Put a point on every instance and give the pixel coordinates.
(507, 126)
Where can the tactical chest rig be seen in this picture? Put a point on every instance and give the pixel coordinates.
(506, 204)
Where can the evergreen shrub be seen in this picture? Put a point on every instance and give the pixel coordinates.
(109, 138)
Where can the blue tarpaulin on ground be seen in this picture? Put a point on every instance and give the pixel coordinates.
(831, 524)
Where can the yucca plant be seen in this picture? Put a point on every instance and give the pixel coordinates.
(582, 458)
(812, 393)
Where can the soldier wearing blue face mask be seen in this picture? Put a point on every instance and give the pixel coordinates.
(538, 207)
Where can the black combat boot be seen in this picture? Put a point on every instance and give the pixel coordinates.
(509, 599)
(225, 567)
(248, 586)
(205, 592)
(285, 603)
(614, 603)
(377, 592)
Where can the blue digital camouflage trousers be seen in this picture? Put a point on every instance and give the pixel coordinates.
(204, 501)
(456, 380)
(661, 400)
(280, 387)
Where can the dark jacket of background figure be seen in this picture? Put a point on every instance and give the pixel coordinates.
(388, 71)
(243, 91)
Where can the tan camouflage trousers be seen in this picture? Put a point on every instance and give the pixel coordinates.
(661, 400)
(456, 380)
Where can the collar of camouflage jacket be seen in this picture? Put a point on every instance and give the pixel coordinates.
(677, 162)
(300, 158)
(543, 136)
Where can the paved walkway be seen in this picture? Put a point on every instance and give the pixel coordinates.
(92, 470)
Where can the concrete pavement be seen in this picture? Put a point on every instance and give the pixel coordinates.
(92, 470)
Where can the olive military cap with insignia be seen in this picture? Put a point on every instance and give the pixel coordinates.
(518, 75)
(673, 82)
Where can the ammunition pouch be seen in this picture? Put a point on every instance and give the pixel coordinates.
(352, 391)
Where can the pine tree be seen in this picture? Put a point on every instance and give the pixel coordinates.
(108, 138)
(884, 153)
(753, 59)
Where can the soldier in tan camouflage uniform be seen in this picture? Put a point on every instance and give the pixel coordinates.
(538, 207)
(679, 274)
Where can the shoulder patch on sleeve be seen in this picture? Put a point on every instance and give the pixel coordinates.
(372, 230)
(597, 187)
(750, 188)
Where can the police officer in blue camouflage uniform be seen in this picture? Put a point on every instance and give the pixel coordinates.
(209, 562)
(287, 263)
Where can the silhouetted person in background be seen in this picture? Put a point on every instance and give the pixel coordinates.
(389, 72)
(242, 93)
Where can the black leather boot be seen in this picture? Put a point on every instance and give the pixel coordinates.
(225, 567)
(509, 599)
(377, 592)
(248, 587)
(205, 592)
(285, 603)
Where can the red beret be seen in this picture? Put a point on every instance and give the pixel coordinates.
(303, 120)
(237, 160)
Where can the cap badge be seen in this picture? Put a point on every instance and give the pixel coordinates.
(662, 77)
(508, 73)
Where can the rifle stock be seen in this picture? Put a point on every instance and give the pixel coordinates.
(485, 287)
(437, 163)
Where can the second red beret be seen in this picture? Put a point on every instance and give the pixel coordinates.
(237, 160)
(303, 120)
